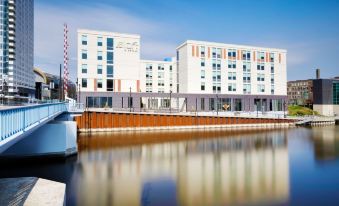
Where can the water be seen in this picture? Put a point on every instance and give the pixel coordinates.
(278, 167)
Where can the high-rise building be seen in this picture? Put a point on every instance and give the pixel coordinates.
(17, 48)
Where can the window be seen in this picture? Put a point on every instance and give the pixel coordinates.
(110, 71)
(247, 88)
(84, 68)
(272, 78)
(202, 104)
(99, 55)
(84, 83)
(231, 64)
(170, 68)
(109, 83)
(246, 55)
(214, 52)
(109, 57)
(161, 83)
(99, 41)
(218, 53)
(232, 87)
(261, 88)
(110, 44)
(272, 68)
(202, 87)
(161, 75)
(246, 77)
(260, 77)
(271, 57)
(272, 89)
(202, 51)
(246, 67)
(232, 76)
(99, 69)
(84, 40)
(161, 67)
(218, 65)
(202, 74)
(261, 66)
(216, 87)
(84, 54)
(99, 83)
(261, 56)
(232, 54)
(202, 62)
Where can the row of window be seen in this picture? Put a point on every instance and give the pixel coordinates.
(231, 64)
(109, 56)
(233, 76)
(232, 54)
(109, 42)
(109, 70)
(232, 87)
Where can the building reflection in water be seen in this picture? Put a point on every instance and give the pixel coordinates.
(218, 170)
(326, 142)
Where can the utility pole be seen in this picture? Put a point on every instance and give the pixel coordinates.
(217, 105)
(170, 103)
(130, 100)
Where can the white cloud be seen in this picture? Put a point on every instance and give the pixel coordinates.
(49, 22)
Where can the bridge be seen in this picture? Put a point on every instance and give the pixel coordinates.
(39, 129)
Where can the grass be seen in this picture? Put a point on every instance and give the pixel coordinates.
(296, 110)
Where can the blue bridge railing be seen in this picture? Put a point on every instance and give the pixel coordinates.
(17, 120)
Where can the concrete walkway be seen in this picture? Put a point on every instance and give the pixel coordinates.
(31, 191)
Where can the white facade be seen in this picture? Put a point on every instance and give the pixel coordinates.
(208, 67)
(158, 76)
(108, 61)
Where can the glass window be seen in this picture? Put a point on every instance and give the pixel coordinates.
(84, 83)
(109, 84)
(202, 86)
(202, 51)
(202, 62)
(99, 55)
(99, 41)
(99, 69)
(109, 57)
(232, 87)
(110, 43)
(110, 71)
(202, 74)
(84, 54)
(99, 83)
(84, 40)
(231, 64)
(84, 68)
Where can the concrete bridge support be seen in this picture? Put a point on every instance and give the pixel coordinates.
(54, 139)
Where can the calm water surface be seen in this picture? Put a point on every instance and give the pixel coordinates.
(278, 167)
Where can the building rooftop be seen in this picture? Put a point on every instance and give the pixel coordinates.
(107, 33)
(216, 44)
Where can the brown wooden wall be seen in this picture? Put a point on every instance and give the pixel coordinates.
(115, 120)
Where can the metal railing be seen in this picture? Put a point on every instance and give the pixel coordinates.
(17, 120)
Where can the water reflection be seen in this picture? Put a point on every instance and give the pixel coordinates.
(326, 142)
(253, 169)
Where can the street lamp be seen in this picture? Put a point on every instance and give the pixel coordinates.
(217, 105)
(170, 103)
(129, 101)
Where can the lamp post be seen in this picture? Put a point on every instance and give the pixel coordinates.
(217, 105)
(129, 101)
(170, 103)
(256, 104)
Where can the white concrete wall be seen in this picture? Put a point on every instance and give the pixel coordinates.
(324, 109)
(126, 60)
(169, 76)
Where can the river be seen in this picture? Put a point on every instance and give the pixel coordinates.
(298, 166)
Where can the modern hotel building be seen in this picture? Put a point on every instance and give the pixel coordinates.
(16, 48)
(204, 76)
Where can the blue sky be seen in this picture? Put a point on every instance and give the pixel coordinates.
(308, 29)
